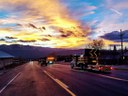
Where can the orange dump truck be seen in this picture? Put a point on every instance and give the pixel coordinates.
(50, 60)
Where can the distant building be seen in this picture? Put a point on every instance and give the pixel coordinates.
(5, 59)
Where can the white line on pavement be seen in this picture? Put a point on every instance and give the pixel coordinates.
(115, 78)
(64, 86)
(110, 77)
(9, 83)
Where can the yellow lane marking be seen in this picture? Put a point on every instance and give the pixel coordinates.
(64, 86)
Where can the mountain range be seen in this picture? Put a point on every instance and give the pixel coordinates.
(25, 51)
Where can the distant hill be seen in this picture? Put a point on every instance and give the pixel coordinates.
(35, 52)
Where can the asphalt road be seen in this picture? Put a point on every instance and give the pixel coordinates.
(60, 80)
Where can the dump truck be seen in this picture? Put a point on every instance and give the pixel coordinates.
(50, 59)
(89, 60)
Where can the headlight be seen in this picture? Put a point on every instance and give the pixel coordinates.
(50, 62)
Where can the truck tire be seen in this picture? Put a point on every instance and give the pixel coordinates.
(72, 66)
(82, 66)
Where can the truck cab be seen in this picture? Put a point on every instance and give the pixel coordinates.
(50, 60)
(78, 61)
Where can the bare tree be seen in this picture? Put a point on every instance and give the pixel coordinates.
(96, 44)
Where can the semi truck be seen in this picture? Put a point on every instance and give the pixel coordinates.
(89, 60)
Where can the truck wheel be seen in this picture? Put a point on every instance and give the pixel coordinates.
(82, 66)
(72, 66)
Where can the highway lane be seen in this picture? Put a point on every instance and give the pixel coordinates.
(32, 81)
(9, 74)
(84, 83)
(123, 74)
(119, 74)
(59, 80)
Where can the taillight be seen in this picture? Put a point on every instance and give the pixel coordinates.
(99, 68)
(111, 68)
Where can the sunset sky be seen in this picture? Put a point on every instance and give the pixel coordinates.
(62, 23)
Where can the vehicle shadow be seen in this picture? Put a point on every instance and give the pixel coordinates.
(92, 71)
(98, 72)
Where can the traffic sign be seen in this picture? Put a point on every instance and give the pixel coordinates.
(91, 52)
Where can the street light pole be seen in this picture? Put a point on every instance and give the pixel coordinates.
(121, 38)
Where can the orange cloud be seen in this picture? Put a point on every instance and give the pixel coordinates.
(56, 19)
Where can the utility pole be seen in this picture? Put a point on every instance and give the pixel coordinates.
(121, 38)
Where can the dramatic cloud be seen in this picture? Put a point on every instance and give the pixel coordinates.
(2, 39)
(116, 11)
(60, 23)
(90, 8)
(115, 36)
(36, 19)
(27, 41)
(32, 25)
(44, 39)
(7, 37)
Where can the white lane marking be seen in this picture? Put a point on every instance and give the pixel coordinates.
(31, 62)
(115, 78)
(64, 86)
(106, 76)
(9, 82)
